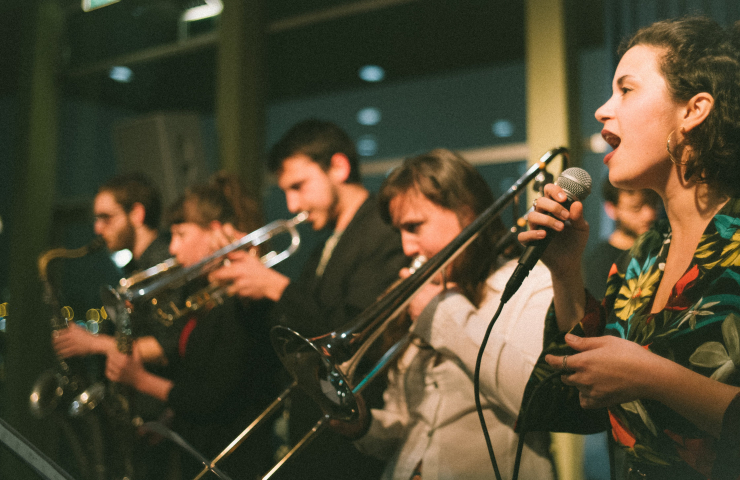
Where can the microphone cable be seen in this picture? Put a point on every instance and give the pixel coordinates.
(479, 407)
(476, 389)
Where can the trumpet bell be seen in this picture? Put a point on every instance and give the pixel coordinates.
(310, 364)
(46, 392)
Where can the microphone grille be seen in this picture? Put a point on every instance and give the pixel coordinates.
(576, 182)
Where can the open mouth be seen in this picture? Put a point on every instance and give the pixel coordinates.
(611, 139)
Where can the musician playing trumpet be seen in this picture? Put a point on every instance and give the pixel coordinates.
(224, 367)
(317, 167)
(429, 427)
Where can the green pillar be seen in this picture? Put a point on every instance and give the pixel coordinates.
(552, 87)
(552, 121)
(240, 92)
(33, 187)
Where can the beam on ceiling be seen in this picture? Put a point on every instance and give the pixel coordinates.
(211, 39)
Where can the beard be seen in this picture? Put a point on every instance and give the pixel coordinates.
(125, 238)
(331, 212)
(333, 209)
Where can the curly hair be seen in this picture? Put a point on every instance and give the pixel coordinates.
(702, 56)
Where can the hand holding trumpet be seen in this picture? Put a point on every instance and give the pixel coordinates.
(248, 276)
(244, 274)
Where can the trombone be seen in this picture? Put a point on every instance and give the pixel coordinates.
(324, 366)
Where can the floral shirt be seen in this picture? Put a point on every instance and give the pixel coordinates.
(699, 328)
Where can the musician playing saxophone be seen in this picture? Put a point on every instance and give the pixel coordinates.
(127, 211)
(429, 427)
(224, 367)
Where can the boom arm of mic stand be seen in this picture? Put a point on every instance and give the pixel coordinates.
(157, 427)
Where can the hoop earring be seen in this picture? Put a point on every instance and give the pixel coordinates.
(668, 148)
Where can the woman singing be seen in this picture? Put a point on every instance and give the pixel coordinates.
(662, 350)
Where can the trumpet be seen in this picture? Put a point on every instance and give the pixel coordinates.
(325, 366)
(147, 285)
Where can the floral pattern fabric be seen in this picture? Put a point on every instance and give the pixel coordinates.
(699, 328)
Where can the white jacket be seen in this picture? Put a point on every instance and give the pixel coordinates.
(430, 412)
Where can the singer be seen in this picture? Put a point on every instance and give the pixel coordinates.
(661, 353)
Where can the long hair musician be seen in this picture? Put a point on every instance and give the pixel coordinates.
(224, 366)
(429, 426)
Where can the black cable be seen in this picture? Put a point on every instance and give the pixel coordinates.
(476, 389)
(479, 408)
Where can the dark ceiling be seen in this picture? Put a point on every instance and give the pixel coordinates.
(407, 38)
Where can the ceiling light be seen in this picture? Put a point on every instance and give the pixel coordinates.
(502, 128)
(368, 116)
(367, 145)
(372, 73)
(88, 5)
(208, 8)
(121, 74)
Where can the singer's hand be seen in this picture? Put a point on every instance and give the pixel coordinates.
(563, 254)
(607, 371)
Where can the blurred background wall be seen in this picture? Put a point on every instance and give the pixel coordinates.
(147, 83)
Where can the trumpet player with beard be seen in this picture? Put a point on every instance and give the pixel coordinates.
(317, 167)
(224, 368)
(429, 428)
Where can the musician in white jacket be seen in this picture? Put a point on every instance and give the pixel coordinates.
(429, 427)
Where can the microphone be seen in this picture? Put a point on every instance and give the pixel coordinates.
(576, 183)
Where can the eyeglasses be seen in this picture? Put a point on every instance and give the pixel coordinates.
(106, 217)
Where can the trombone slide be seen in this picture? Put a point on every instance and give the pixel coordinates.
(272, 408)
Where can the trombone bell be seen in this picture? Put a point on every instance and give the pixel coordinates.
(316, 373)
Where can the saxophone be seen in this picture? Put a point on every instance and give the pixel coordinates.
(62, 381)
(118, 404)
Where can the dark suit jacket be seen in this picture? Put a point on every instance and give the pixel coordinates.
(365, 261)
